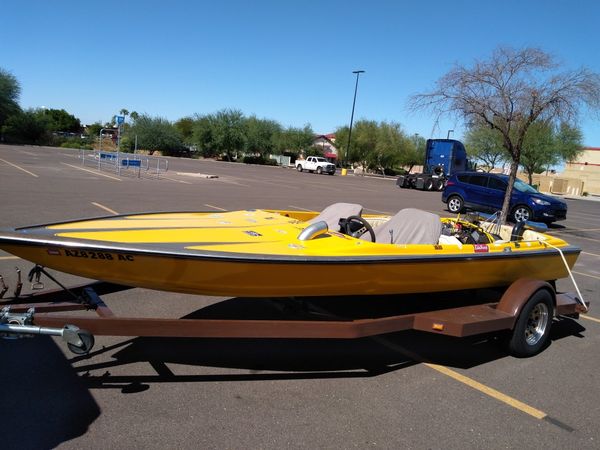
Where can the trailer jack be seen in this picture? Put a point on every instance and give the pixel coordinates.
(20, 325)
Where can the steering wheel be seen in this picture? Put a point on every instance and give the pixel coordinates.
(350, 229)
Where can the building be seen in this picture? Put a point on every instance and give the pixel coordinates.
(586, 168)
(326, 142)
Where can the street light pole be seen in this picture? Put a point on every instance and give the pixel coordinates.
(101, 130)
(357, 72)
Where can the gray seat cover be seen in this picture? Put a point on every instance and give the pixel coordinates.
(333, 213)
(410, 226)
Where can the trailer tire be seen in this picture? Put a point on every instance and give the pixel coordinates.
(428, 185)
(455, 204)
(86, 343)
(438, 185)
(532, 328)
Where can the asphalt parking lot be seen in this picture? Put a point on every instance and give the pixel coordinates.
(402, 390)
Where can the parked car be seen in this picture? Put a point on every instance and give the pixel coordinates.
(485, 192)
(315, 164)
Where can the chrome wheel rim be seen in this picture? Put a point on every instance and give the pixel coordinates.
(454, 205)
(521, 215)
(537, 322)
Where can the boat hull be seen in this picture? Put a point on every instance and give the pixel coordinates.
(272, 277)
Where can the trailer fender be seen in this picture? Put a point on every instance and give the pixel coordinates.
(518, 293)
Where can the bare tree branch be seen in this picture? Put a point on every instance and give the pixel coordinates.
(509, 92)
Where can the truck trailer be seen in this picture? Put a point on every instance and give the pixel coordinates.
(443, 157)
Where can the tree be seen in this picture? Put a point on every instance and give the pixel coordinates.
(185, 126)
(363, 145)
(508, 93)
(413, 154)
(10, 90)
(202, 135)
(546, 145)
(26, 127)
(379, 146)
(391, 144)
(156, 133)
(261, 136)
(93, 130)
(59, 120)
(228, 132)
(485, 145)
(295, 140)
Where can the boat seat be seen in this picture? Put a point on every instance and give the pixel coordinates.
(410, 226)
(333, 213)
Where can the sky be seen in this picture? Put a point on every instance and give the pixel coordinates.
(287, 61)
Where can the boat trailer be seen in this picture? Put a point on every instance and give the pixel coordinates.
(526, 309)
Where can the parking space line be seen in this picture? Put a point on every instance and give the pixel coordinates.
(105, 208)
(298, 207)
(573, 230)
(92, 171)
(586, 238)
(586, 275)
(20, 168)
(6, 258)
(510, 401)
(176, 181)
(593, 319)
(491, 392)
(215, 207)
(590, 254)
(378, 212)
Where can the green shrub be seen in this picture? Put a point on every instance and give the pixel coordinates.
(250, 159)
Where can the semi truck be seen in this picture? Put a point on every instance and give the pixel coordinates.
(443, 157)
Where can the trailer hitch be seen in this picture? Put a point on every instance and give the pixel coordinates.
(20, 325)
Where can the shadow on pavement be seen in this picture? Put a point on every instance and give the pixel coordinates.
(281, 359)
(44, 402)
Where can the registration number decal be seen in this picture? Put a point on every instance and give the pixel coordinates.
(99, 255)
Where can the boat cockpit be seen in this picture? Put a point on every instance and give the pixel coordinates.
(415, 226)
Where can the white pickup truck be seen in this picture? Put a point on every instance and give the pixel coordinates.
(315, 164)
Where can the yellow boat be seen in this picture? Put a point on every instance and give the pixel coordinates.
(270, 253)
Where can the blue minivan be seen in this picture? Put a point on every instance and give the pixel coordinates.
(485, 192)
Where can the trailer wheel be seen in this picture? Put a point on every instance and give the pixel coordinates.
(428, 186)
(439, 185)
(85, 344)
(299, 168)
(532, 329)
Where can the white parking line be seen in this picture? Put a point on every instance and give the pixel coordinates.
(20, 168)
(586, 275)
(590, 254)
(105, 208)
(214, 207)
(92, 171)
(176, 181)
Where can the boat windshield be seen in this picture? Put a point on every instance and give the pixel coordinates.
(524, 187)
